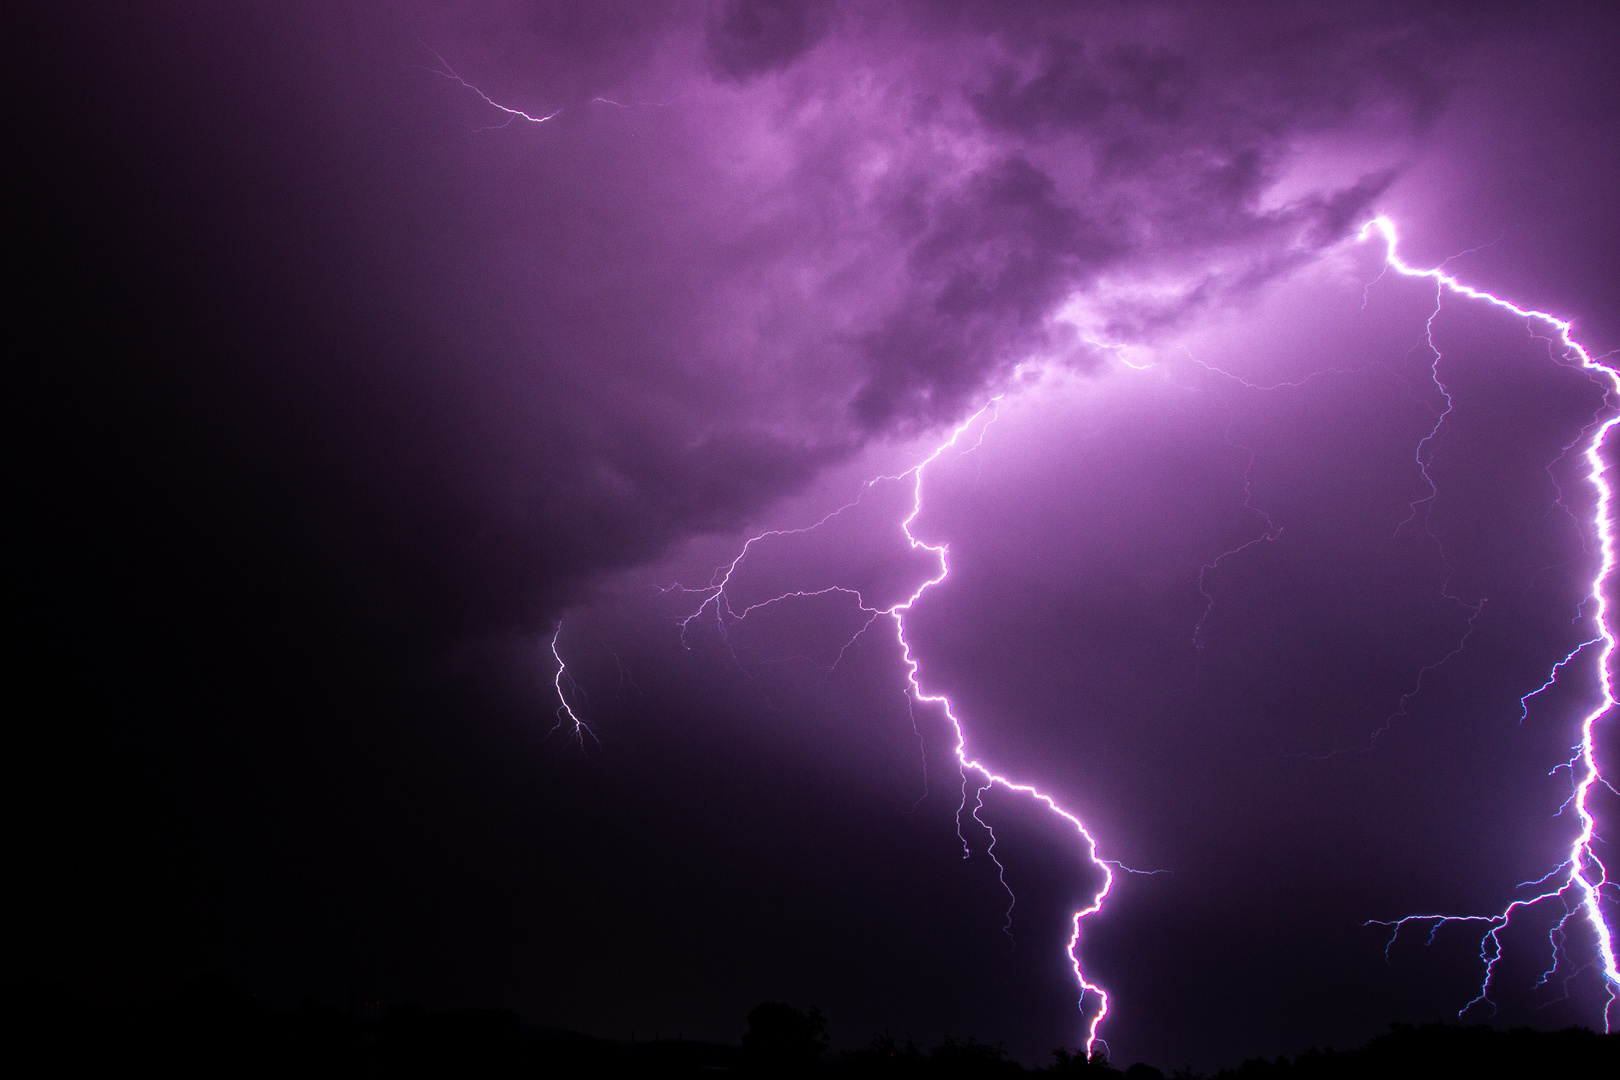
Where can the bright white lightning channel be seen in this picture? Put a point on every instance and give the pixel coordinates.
(1578, 882)
(716, 600)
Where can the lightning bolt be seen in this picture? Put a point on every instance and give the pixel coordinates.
(1579, 880)
(715, 601)
(565, 712)
(445, 71)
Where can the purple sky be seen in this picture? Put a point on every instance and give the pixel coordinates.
(339, 395)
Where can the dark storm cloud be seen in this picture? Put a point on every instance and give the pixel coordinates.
(1142, 146)
(992, 261)
(749, 37)
(756, 237)
(827, 224)
(1143, 79)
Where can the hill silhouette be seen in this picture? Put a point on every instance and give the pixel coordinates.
(210, 1026)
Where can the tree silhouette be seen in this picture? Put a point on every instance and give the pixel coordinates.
(780, 1036)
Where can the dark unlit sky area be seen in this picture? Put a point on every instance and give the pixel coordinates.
(341, 389)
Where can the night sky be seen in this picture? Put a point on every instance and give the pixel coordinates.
(338, 390)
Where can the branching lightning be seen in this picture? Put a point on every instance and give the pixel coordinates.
(444, 70)
(715, 601)
(1578, 882)
(566, 716)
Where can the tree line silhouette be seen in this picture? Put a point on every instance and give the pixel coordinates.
(210, 1026)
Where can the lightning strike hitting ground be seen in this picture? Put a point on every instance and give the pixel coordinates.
(715, 599)
(1578, 882)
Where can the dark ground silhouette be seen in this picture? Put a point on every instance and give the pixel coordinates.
(211, 1026)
